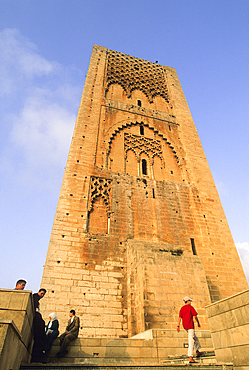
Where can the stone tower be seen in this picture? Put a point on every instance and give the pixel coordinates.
(139, 223)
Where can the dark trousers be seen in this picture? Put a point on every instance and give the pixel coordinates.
(51, 338)
(64, 340)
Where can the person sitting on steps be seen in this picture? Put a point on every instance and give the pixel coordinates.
(71, 333)
(51, 330)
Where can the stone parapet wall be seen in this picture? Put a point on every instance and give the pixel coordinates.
(16, 322)
(229, 325)
(12, 349)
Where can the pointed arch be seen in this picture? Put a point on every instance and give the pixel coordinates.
(119, 126)
(126, 136)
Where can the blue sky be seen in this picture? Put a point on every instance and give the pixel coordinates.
(45, 48)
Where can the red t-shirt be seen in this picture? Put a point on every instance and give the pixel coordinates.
(186, 313)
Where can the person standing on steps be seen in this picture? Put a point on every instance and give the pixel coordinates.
(186, 314)
(20, 284)
(37, 297)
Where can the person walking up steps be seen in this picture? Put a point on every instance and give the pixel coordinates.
(186, 314)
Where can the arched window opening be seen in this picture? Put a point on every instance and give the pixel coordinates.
(144, 167)
(139, 103)
(141, 130)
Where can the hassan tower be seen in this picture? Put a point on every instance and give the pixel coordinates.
(139, 223)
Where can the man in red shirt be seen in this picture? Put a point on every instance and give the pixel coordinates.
(186, 314)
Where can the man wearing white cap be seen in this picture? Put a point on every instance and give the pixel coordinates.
(186, 314)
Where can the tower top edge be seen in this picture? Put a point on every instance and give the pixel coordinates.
(102, 48)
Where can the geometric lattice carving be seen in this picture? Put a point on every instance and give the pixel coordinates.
(100, 187)
(135, 73)
(141, 144)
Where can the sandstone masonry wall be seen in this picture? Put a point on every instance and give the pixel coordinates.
(139, 223)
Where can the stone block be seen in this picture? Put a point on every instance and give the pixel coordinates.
(12, 349)
(10, 346)
(240, 335)
(240, 355)
(4, 300)
(230, 329)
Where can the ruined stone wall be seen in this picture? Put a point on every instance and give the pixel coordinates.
(136, 177)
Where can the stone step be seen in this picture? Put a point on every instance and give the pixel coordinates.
(208, 358)
(206, 362)
(149, 350)
(152, 346)
(127, 367)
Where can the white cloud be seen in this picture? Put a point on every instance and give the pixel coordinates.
(243, 250)
(20, 61)
(38, 110)
(43, 130)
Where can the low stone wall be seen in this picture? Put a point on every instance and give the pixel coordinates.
(10, 343)
(16, 321)
(229, 325)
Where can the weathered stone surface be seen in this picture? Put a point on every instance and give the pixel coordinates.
(16, 321)
(12, 349)
(229, 325)
(139, 223)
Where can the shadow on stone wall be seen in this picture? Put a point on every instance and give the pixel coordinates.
(214, 291)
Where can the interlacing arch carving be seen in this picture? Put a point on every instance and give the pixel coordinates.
(136, 74)
(120, 126)
(141, 145)
(100, 187)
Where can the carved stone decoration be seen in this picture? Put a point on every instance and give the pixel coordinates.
(122, 125)
(100, 187)
(141, 145)
(136, 74)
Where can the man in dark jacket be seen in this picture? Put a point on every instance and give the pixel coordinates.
(71, 333)
(37, 297)
(40, 339)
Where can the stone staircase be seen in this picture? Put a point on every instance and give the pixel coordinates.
(207, 362)
(153, 349)
(127, 367)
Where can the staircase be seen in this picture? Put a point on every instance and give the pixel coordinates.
(172, 364)
(153, 349)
